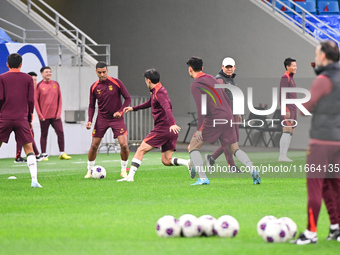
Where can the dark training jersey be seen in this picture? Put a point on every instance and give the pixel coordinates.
(287, 81)
(108, 93)
(16, 96)
(161, 107)
(218, 103)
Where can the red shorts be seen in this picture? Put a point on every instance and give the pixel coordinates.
(21, 129)
(225, 133)
(162, 137)
(289, 121)
(117, 125)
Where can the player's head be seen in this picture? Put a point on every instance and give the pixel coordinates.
(101, 70)
(34, 77)
(290, 65)
(152, 77)
(228, 66)
(195, 65)
(46, 73)
(326, 52)
(14, 60)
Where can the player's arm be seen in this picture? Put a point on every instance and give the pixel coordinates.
(60, 103)
(127, 99)
(30, 99)
(92, 107)
(196, 93)
(142, 106)
(37, 102)
(321, 87)
(284, 83)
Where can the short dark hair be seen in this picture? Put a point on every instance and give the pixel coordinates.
(331, 50)
(288, 62)
(196, 63)
(14, 60)
(44, 68)
(153, 75)
(32, 74)
(101, 64)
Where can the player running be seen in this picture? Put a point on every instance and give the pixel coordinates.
(16, 110)
(108, 92)
(207, 131)
(165, 132)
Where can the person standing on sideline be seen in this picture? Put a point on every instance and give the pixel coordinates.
(108, 91)
(287, 81)
(18, 158)
(48, 104)
(323, 151)
(226, 76)
(16, 110)
(202, 86)
(165, 131)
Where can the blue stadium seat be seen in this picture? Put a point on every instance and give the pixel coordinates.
(283, 8)
(328, 7)
(309, 6)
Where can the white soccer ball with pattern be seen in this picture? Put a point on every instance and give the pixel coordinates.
(226, 226)
(276, 232)
(207, 224)
(262, 224)
(98, 172)
(168, 226)
(190, 225)
(291, 225)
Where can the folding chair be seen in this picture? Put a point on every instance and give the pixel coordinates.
(193, 123)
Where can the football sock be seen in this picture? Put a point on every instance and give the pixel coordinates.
(123, 165)
(245, 160)
(334, 226)
(135, 163)
(32, 165)
(197, 161)
(309, 234)
(61, 153)
(90, 165)
(179, 162)
(284, 144)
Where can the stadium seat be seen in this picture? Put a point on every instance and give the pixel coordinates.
(328, 7)
(284, 8)
(309, 6)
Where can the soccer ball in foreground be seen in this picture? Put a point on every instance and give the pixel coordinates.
(276, 232)
(190, 226)
(226, 226)
(262, 224)
(207, 224)
(168, 226)
(291, 225)
(98, 172)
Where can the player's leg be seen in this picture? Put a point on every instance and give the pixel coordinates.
(196, 161)
(18, 158)
(329, 196)
(58, 127)
(124, 153)
(44, 126)
(286, 137)
(92, 155)
(243, 157)
(210, 159)
(137, 161)
(32, 165)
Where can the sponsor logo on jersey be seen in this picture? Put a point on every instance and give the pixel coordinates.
(98, 91)
(110, 87)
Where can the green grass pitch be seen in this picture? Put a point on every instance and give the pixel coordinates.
(73, 215)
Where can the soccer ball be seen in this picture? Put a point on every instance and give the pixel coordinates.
(98, 172)
(275, 232)
(207, 224)
(226, 226)
(262, 224)
(190, 226)
(168, 226)
(291, 225)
